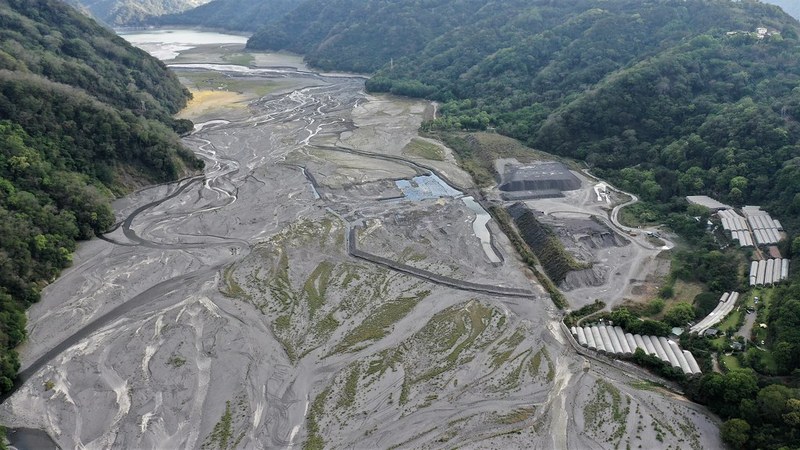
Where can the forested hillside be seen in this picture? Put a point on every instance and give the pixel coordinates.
(684, 95)
(128, 12)
(792, 7)
(362, 36)
(238, 15)
(79, 110)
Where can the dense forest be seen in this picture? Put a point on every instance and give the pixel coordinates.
(362, 36)
(80, 111)
(665, 97)
(238, 15)
(130, 12)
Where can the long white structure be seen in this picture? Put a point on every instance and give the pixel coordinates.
(595, 337)
(670, 354)
(692, 362)
(662, 355)
(606, 340)
(762, 268)
(768, 271)
(631, 342)
(754, 268)
(598, 340)
(776, 271)
(589, 338)
(682, 362)
(614, 340)
(726, 304)
(640, 343)
(626, 349)
(581, 336)
(648, 346)
(765, 229)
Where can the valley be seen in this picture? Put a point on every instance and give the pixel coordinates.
(322, 285)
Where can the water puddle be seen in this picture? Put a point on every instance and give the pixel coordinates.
(426, 187)
(199, 126)
(312, 182)
(481, 230)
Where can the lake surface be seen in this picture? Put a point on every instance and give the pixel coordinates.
(166, 44)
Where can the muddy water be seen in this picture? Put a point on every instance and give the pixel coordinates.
(481, 230)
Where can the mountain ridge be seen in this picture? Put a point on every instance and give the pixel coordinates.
(234, 15)
(129, 12)
(81, 111)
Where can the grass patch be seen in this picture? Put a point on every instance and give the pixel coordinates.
(176, 361)
(222, 434)
(377, 324)
(348, 396)
(731, 322)
(282, 323)
(640, 214)
(314, 440)
(216, 81)
(606, 408)
(404, 390)
(424, 149)
(719, 343)
(682, 291)
(644, 385)
(551, 368)
(232, 288)
(730, 362)
(316, 286)
(511, 343)
(516, 416)
(534, 363)
(239, 59)
(452, 331)
(327, 325)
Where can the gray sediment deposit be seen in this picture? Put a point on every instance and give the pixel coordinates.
(227, 311)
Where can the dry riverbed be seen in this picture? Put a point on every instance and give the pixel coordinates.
(232, 313)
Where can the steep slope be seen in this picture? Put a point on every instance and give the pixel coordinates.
(362, 36)
(621, 83)
(239, 15)
(126, 12)
(80, 109)
(790, 6)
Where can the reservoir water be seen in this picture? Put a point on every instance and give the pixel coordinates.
(166, 44)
